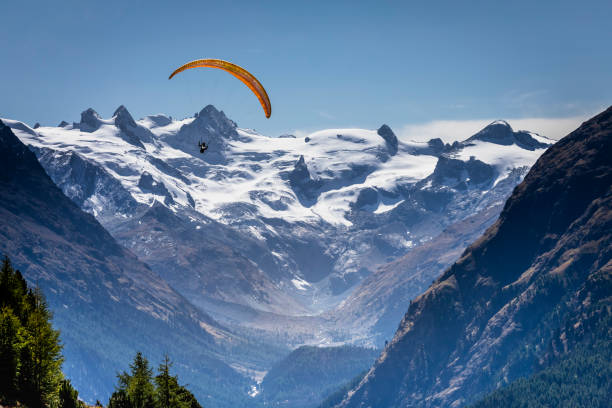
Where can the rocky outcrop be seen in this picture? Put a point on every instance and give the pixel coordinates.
(391, 140)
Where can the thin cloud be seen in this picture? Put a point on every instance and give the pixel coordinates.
(451, 130)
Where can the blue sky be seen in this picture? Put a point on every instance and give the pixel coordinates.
(324, 64)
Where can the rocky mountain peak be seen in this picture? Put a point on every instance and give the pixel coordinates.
(501, 133)
(211, 126)
(123, 117)
(90, 120)
(211, 116)
(300, 170)
(386, 133)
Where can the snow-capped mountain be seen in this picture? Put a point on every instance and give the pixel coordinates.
(281, 225)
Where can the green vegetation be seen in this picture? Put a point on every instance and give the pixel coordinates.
(138, 388)
(30, 351)
(31, 359)
(583, 378)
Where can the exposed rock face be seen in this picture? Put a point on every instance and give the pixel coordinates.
(458, 173)
(90, 121)
(500, 132)
(516, 292)
(386, 133)
(304, 186)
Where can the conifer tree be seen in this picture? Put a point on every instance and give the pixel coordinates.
(140, 388)
(166, 395)
(30, 351)
(45, 352)
(68, 396)
(9, 351)
(119, 399)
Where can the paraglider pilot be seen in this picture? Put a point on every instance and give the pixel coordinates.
(203, 146)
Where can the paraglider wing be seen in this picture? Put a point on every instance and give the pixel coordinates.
(242, 74)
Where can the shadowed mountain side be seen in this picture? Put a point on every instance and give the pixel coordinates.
(381, 300)
(496, 313)
(106, 302)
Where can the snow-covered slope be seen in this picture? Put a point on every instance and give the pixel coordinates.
(284, 225)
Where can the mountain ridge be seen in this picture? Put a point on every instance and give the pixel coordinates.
(485, 321)
(308, 218)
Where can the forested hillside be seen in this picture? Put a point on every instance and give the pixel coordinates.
(582, 379)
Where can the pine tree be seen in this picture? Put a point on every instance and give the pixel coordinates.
(45, 351)
(9, 351)
(119, 399)
(187, 399)
(30, 351)
(134, 389)
(140, 389)
(68, 396)
(166, 396)
(169, 393)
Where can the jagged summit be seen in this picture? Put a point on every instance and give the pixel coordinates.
(123, 117)
(216, 119)
(90, 120)
(499, 132)
(386, 133)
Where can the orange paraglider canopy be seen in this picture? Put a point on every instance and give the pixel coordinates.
(242, 74)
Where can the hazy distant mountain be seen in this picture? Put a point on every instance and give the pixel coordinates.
(261, 227)
(535, 286)
(106, 302)
(309, 374)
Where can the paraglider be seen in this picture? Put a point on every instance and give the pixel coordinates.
(203, 146)
(242, 74)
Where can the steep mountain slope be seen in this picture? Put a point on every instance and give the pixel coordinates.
(527, 291)
(373, 310)
(107, 303)
(273, 226)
